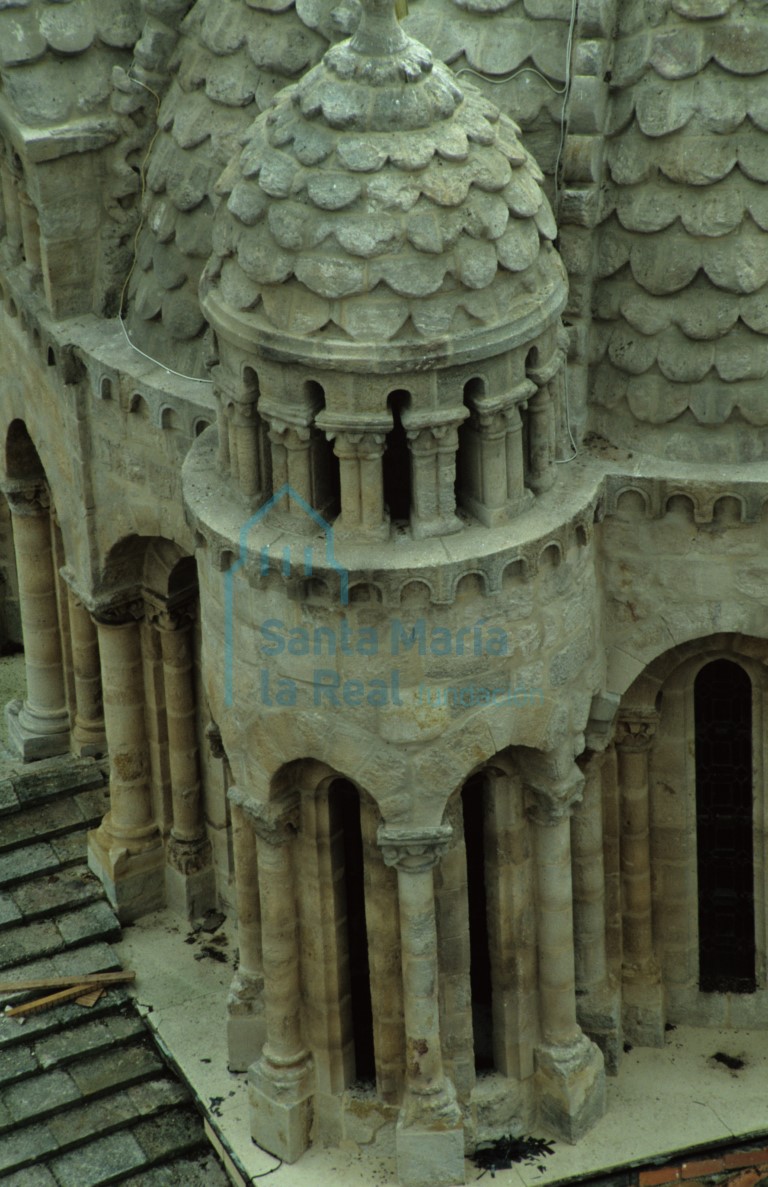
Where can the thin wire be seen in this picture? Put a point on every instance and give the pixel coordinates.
(509, 77)
(139, 229)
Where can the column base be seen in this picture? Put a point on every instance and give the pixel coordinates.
(88, 741)
(281, 1109)
(570, 1088)
(133, 882)
(423, 529)
(32, 738)
(429, 1157)
(598, 1012)
(246, 1025)
(190, 881)
(642, 1008)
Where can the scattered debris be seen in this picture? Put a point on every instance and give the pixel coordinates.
(731, 1061)
(215, 1103)
(502, 1153)
(212, 921)
(627, 1048)
(85, 990)
(669, 1026)
(212, 953)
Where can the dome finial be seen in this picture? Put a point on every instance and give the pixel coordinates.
(378, 33)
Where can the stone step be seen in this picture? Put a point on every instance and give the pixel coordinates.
(50, 779)
(202, 1170)
(48, 895)
(72, 813)
(40, 1098)
(71, 930)
(76, 1139)
(84, 1036)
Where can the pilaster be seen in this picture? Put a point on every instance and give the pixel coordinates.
(281, 1082)
(642, 989)
(189, 876)
(246, 1027)
(125, 851)
(570, 1074)
(38, 727)
(429, 1138)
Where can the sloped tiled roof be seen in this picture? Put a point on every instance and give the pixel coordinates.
(496, 38)
(232, 57)
(367, 212)
(56, 56)
(682, 300)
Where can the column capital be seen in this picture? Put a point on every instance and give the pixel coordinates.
(123, 613)
(414, 849)
(635, 731)
(554, 802)
(166, 614)
(273, 822)
(28, 498)
(214, 740)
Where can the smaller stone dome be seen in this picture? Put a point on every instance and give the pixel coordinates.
(378, 204)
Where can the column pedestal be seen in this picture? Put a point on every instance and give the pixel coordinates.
(429, 1138)
(570, 1087)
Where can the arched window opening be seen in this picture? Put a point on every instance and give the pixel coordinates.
(724, 830)
(396, 462)
(347, 850)
(326, 472)
(468, 480)
(473, 797)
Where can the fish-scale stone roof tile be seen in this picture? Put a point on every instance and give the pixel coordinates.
(682, 295)
(362, 209)
(232, 58)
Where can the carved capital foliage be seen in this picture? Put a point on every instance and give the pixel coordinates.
(189, 857)
(635, 733)
(414, 850)
(29, 499)
(171, 615)
(124, 613)
(358, 444)
(215, 742)
(275, 823)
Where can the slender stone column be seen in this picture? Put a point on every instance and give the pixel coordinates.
(361, 478)
(30, 229)
(541, 420)
(643, 993)
(433, 451)
(190, 882)
(570, 1075)
(246, 1030)
(88, 731)
(492, 463)
(40, 727)
(597, 999)
(12, 213)
(430, 1137)
(281, 1083)
(125, 851)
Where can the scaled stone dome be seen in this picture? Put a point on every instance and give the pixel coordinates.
(377, 204)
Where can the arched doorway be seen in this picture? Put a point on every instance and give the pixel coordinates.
(724, 828)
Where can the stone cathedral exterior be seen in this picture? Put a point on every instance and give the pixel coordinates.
(385, 458)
